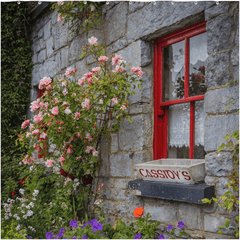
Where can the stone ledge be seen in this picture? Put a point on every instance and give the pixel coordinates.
(172, 191)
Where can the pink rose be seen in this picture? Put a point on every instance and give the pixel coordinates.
(56, 100)
(50, 162)
(88, 75)
(55, 111)
(64, 83)
(118, 69)
(60, 18)
(68, 72)
(114, 100)
(103, 58)
(43, 135)
(61, 159)
(60, 3)
(28, 134)
(35, 132)
(64, 92)
(92, 41)
(81, 81)
(90, 80)
(123, 107)
(117, 60)
(25, 124)
(34, 105)
(44, 82)
(48, 87)
(64, 104)
(31, 159)
(137, 70)
(95, 153)
(69, 150)
(38, 118)
(96, 69)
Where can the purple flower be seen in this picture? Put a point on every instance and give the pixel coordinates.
(84, 236)
(138, 236)
(29, 237)
(57, 236)
(180, 225)
(49, 235)
(100, 234)
(61, 230)
(170, 227)
(161, 236)
(73, 223)
(97, 226)
(74, 238)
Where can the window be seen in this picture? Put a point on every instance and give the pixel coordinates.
(179, 88)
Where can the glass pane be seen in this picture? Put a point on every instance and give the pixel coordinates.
(178, 130)
(200, 116)
(173, 71)
(197, 62)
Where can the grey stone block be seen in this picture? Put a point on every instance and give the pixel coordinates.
(50, 67)
(76, 47)
(236, 72)
(40, 33)
(54, 17)
(104, 168)
(38, 45)
(61, 35)
(114, 143)
(139, 108)
(217, 100)
(217, 70)
(64, 57)
(218, 164)
(211, 180)
(149, 22)
(145, 53)
(141, 95)
(110, 5)
(190, 215)
(38, 72)
(34, 59)
(91, 59)
(211, 224)
(33, 94)
(81, 68)
(120, 165)
(136, 135)
(29, 114)
(115, 23)
(34, 35)
(141, 157)
(237, 31)
(216, 128)
(97, 34)
(119, 44)
(50, 46)
(108, 207)
(42, 56)
(135, 6)
(161, 213)
(216, 10)
(219, 33)
(222, 186)
(119, 194)
(47, 30)
(235, 56)
(121, 183)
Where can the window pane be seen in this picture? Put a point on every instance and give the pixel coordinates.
(173, 71)
(197, 62)
(178, 130)
(200, 116)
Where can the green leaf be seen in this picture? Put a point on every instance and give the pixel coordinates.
(206, 200)
(221, 147)
(220, 232)
(228, 193)
(133, 93)
(130, 120)
(227, 223)
(139, 86)
(215, 199)
(221, 227)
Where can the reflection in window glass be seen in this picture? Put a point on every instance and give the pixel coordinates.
(173, 71)
(197, 62)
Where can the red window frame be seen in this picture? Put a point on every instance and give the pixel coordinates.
(161, 108)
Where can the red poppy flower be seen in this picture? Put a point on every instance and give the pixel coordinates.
(21, 181)
(13, 193)
(71, 146)
(25, 179)
(87, 180)
(71, 176)
(138, 212)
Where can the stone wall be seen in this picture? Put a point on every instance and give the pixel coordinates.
(130, 31)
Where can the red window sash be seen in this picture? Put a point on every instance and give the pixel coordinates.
(160, 136)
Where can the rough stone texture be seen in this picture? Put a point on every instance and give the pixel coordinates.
(136, 135)
(104, 168)
(50, 46)
(110, 4)
(61, 35)
(38, 45)
(151, 19)
(217, 68)
(29, 114)
(139, 108)
(81, 68)
(114, 143)
(235, 56)
(64, 57)
(97, 34)
(115, 22)
(236, 72)
(37, 74)
(42, 56)
(141, 157)
(217, 100)
(33, 94)
(121, 183)
(210, 180)
(218, 164)
(161, 213)
(90, 59)
(237, 31)
(57, 59)
(47, 30)
(134, 6)
(216, 128)
(119, 44)
(34, 59)
(219, 33)
(141, 95)
(120, 165)
(119, 194)
(108, 207)
(54, 17)
(209, 208)
(222, 186)
(75, 49)
(40, 33)
(214, 11)
(190, 215)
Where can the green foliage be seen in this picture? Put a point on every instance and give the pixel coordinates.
(230, 200)
(9, 232)
(16, 65)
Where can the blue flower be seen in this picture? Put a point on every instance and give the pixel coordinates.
(49, 235)
(73, 223)
(57, 236)
(74, 238)
(97, 226)
(170, 227)
(29, 237)
(138, 236)
(180, 225)
(61, 230)
(84, 236)
(100, 234)
(161, 236)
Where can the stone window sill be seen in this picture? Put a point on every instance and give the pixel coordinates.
(172, 191)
